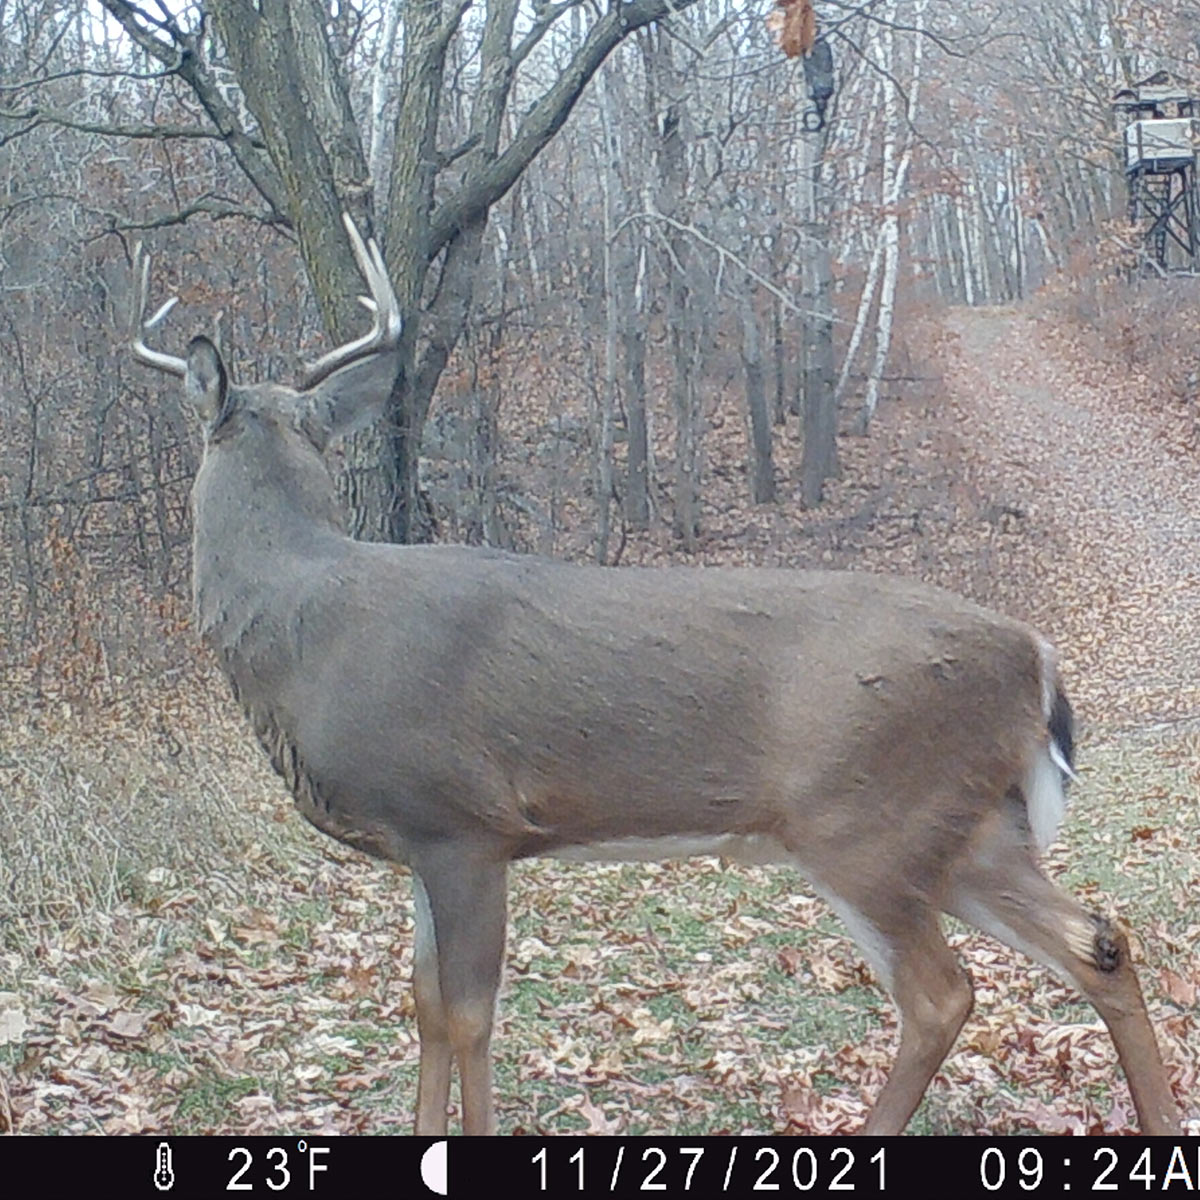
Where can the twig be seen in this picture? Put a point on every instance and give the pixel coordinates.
(736, 259)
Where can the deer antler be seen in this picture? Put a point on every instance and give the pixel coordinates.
(384, 331)
(139, 326)
(383, 334)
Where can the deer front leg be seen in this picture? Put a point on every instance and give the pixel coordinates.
(461, 917)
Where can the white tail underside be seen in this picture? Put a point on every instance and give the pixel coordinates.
(1045, 797)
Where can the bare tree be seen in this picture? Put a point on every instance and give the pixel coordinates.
(293, 131)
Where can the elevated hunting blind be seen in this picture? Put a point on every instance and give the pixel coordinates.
(1160, 141)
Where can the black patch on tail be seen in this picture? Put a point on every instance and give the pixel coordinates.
(1062, 727)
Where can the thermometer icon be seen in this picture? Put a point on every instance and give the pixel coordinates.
(164, 1176)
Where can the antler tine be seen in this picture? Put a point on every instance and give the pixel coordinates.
(140, 326)
(385, 329)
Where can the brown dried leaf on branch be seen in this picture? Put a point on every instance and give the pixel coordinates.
(794, 23)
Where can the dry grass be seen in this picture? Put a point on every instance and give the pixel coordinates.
(88, 815)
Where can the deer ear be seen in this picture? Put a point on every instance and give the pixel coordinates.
(349, 399)
(206, 382)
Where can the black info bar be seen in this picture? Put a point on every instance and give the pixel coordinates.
(476, 1168)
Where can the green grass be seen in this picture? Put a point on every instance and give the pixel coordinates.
(205, 1101)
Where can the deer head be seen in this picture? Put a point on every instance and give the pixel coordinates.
(342, 389)
(454, 709)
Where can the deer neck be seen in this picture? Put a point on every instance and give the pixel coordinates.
(262, 528)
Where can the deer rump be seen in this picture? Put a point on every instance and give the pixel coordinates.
(411, 693)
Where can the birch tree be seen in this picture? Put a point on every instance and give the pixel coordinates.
(898, 136)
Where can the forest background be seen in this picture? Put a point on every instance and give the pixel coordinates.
(671, 295)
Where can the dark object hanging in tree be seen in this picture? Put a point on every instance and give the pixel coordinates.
(818, 72)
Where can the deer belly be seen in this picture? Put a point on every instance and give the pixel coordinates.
(751, 849)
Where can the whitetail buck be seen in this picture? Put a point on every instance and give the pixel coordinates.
(455, 709)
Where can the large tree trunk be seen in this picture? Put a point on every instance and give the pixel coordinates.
(633, 341)
(898, 141)
(819, 460)
(779, 409)
(665, 78)
(306, 159)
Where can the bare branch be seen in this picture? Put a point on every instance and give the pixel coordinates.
(180, 57)
(38, 115)
(114, 221)
(974, 40)
(726, 255)
(546, 16)
(1139, 252)
(87, 73)
(215, 207)
(451, 23)
(17, 133)
(493, 179)
(468, 144)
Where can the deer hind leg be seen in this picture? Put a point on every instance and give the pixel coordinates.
(433, 1085)
(901, 938)
(934, 996)
(1003, 892)
(460, 925)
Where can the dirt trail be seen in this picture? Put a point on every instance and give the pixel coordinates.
(1096, 514)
